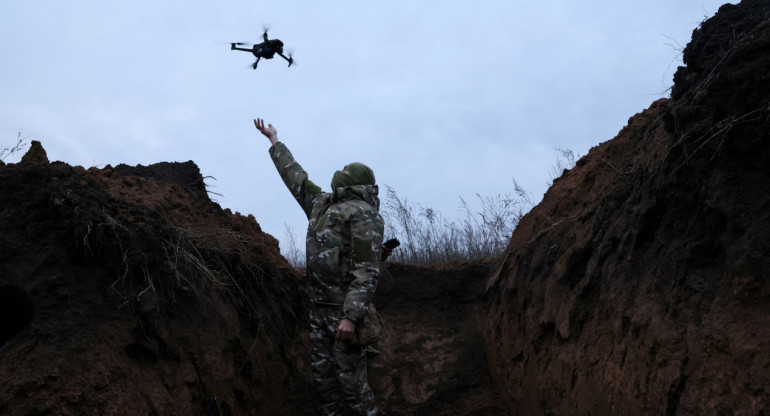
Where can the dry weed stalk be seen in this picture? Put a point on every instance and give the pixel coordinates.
(718, 130)
(185, 259)
(181, 251)
(8, 151)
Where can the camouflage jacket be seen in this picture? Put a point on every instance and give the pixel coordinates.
(344, 238)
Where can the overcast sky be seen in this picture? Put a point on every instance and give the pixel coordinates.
(442, 99)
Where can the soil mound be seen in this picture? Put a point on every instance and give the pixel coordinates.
(134, 271)
(640, 284)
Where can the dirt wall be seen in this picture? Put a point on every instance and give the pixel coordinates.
(639, 285)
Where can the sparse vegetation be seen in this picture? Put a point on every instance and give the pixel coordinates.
(427, 237)
(8, 151)
(290, 250)
(565, 160)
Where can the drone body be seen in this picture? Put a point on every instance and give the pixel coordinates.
(266, 49)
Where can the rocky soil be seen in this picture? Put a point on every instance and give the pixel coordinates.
(638, 286)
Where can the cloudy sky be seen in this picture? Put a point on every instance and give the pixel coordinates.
(442, 99)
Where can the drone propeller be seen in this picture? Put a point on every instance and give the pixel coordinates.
(235, 45)
(265, 29)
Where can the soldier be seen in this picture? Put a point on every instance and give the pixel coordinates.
(344, 243)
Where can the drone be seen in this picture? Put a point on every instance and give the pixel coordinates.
(266, 49)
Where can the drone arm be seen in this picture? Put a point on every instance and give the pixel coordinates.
(288, 59)
(234, 48)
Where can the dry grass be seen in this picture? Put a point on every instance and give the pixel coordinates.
(427, 237)
(16, 148)
(290, 248)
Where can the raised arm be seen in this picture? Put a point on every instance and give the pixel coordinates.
(295, 178)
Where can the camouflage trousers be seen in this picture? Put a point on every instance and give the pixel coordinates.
(339, 367)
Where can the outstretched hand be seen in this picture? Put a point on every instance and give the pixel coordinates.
(270, 132)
